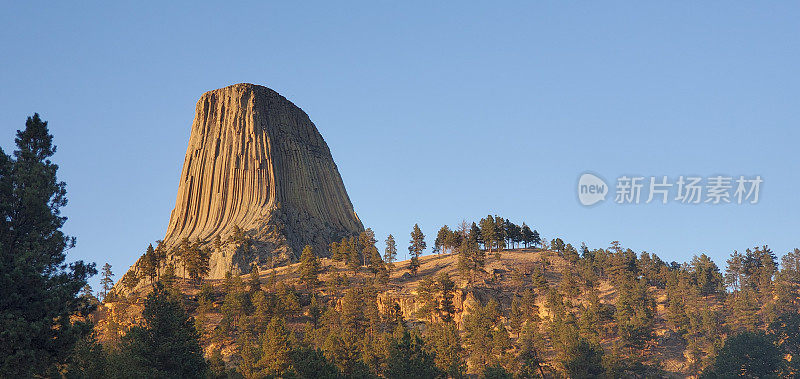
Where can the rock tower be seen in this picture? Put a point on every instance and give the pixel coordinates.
(256, 161)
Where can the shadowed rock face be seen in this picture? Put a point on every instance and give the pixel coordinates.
(255, 160)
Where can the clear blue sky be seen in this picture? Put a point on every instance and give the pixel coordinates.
(434, 113)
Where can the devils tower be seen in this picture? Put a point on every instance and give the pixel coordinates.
(256, 162)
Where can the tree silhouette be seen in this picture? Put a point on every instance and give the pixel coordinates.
(416, 247)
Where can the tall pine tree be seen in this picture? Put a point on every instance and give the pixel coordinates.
(40, 291)
(416, 247)
(106, 280)
(390, 254)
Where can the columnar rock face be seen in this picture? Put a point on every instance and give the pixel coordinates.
(256, 161)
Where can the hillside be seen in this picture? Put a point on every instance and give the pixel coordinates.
(504, 278)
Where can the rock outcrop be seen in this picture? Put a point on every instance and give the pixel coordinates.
(409, 305)
(256, 161)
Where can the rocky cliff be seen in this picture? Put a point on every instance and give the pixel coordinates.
(256, 161)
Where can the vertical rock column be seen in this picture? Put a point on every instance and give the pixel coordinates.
(256, 160)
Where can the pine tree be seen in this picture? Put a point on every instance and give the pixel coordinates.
(130, 280)
(591, 321)
(475, 234)
(489, 232)
(87, 360)
(500, 236)
(166, 344)
(446, 287)
(390, 253)
(160, 257)
(749, 355)
(584, 360)
(523, 309)
(416, 247)
(536, 240)
(790, 267)
(513, 233)
(508, 231)
(168, 278)
(622, 265)
(149, 264)
(288, 301)
(263, 305)
(309, 267)
(531, 352)
(316, 309)
(377, 266)
(276, 358)
(371, 255)
(236, 304)
(336, 251)
(453, 241)
(569, 283)
(478, 325)
(428, 297)
(471, 259)
(635, 314)
(367, 241)
(735, 271)
(743, 307)
(557, 245)
(203, 265)
(445, 341)
(106, 280)
(353, 253)
(87, 295)
(705, 275)
(788, 282)
(501, 343)
(309, 362)
(586, 253)
(183, 252)
(255, 278)
(562, 326)
(440, 244)
(759, 266)
(526, 234)
(196, 260)
(408, 358)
